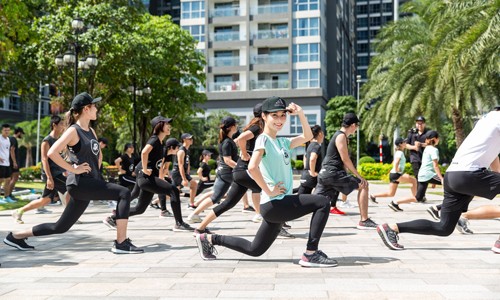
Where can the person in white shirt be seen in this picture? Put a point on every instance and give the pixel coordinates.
(467, 176)
(5, 170)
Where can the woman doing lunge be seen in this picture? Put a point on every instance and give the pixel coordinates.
(270, 167)
(203, 172)
(84, 182)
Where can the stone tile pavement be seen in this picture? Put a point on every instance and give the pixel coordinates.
(79, 265)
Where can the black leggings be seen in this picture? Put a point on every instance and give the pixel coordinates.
(444, 227)
(422, 187)
(203, 185)
(275, 213)
(151, 185)
(88, 188)
(241, 184)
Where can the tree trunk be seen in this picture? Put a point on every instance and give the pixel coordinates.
(29, 157)
(458, 125)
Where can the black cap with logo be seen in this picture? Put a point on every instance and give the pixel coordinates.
(420, 119)
(349, 119)
(399, 141)
(156, 120)
(186, 136)
(83, 99)
(228, 121)
(172, 143)
(273, 104)
(206, 152)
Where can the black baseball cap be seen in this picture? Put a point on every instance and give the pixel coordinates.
(349, 119)
(420, 118)
(206, 152)
(19, 130)
(273, 104)
(172, 142)
(228, 121)
(496, 108)
(432, 134)
(82, 100)
(186, 136)
(257, 110)
(103, 140)
(399, 141)
(159, 119)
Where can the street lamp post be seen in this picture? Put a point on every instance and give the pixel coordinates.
(70, 57)
(136, 92)
(358, 81)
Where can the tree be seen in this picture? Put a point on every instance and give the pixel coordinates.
(30, 138)
(211, 136)
(424, 66)
(337, 107)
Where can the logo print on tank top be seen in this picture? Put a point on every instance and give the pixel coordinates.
(131, 168)
(158, 164)
(94, 146)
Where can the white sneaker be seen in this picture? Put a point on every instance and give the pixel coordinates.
(192, 218)
(112, 204)
(257, 218)
(346, 204)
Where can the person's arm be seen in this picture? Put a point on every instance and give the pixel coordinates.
(69, 137)
(118, 164)
(45, 165)
(228, 160)
(253, 168)
(396, 164)
(437, 170)
(241, 141)
(341, 143)
(144, 159)
(409, 146)
(163, 169)
(181, 155)
(13, 156)
(312, 164)
(495, 165)
(306, 135)
(199, 172)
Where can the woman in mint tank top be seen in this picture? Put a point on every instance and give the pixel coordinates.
(398, 175)
(270, 167)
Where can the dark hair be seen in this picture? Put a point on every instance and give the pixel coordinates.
(73, 115)
(223, 132)
(128, 145)
(54, 120)
(431, 137)
(255, 121)
(5, 125)
(158, 128)
(316, 130)
(18, 129)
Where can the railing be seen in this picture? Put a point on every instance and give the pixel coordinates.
(226, 12)
(227, 36)
(226, 61)
(271, 9)
(270, 59)
(225, 86)
(272, 34)
(269, 84)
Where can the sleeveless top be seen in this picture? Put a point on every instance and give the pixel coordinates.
(127, 164)
(55, 169)
(186, 160)
(85, 151)
(332, 160)
(241, 164)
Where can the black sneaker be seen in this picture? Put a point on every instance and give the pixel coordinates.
(248, 210)
(17, 243)
(367, 224)
(155, 206)
(373, 199)
(206, 249)
(110, 222)
(178, 227)
(389, 237)
(191, 207)
(395, 207)
(285, 234)
(286, 226)
(202, 231)
(125, 247)
(317, 260)
(433, 212)
(463, 226)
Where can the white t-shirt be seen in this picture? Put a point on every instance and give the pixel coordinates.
(402, 162)
(480, 147)
(4, 151)
(427, 171)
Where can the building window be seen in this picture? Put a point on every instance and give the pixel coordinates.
(197, 31)
(305, 52)
(362, 9)
(304, 5)
(362, 48)
(296, 127)
(362, 22)
(363, 61)
(374, 8)
(306, 27)
(308, 78)
(362, 35)
(387, 7)
(12, 102)
(193, 9)
(375, 21)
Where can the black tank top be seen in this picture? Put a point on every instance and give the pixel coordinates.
(186, 160)
(85, 151)
(332, 158)
(55, 170)
(241, 164)
(128, 164)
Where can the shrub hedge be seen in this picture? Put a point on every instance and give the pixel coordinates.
(376, 171)
(366, 160)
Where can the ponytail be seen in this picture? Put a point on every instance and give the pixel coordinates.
(223, 132)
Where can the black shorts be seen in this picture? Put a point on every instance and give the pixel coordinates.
(126, 180)
(177, 178)
(460, 187)
(14, 170)
(393, 177)
(5, 172)
(59, 186)
(307, 180)
(330, 182)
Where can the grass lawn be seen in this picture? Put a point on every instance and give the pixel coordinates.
(23, 185)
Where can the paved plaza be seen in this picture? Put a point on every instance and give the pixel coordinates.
(78, 264)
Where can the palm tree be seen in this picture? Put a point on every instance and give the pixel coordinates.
(29, 139)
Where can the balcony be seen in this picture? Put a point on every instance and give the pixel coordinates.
(271, 34)
(226, 86)
(228, 36)
(270, 59)
(269, 84)
(280, 8)
(226, 61)
(225, 12)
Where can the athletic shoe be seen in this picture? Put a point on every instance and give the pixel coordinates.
(248, 210)
(165, 214)
(193, 218)
(286, 226)
(191, 207)
(56, 203)
(373, 199)
(112, 204)
(155, 206)
(423, 200)
(257, 218)
(8, 199)
(346, 204)
(110, 222)
(14, 198)
(463, 226)
(125, 247)
(202, 231)
(206, 249)
(43, 210)
(367, 224)
(336, 211)
(285, 234)
(389, 237)
(496, 247)
(395, 207)
(18, 216)
(178, 227)
(17, 243)
(433, 212)
(317, 260)
(2, 201)
(187, 195)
